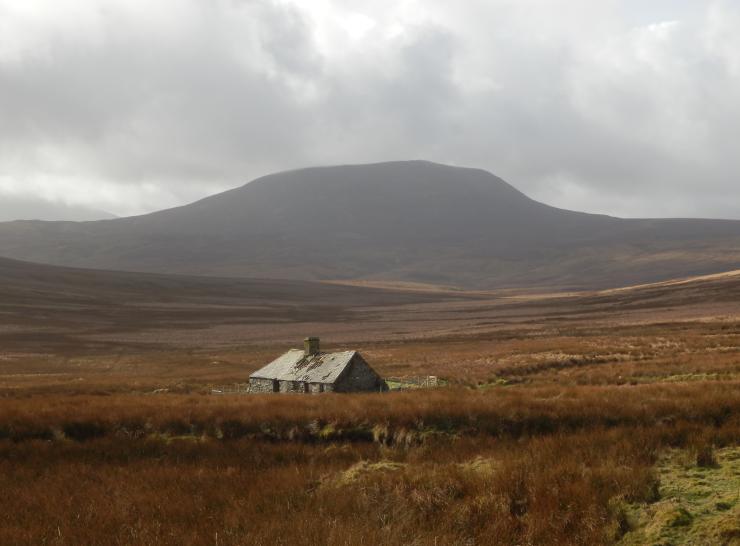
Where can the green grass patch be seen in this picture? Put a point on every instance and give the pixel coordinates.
(698, 505)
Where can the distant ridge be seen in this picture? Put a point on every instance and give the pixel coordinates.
(411, 221)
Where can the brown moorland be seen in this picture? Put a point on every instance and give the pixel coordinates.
(557, 409)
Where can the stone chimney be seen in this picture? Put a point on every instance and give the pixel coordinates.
(311, 346)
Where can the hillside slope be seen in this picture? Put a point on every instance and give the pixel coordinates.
(59, 309)
(410, 221)
(25, 285)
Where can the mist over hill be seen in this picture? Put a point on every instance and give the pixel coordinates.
(13, 207)
(411, 221)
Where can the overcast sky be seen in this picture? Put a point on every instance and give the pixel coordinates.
(605, 106)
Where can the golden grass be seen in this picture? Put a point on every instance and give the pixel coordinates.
(553, 490)
(564, 353)
(523, 465)
(499, 412)
(554, 418)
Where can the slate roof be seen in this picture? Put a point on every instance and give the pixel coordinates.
(296, 366)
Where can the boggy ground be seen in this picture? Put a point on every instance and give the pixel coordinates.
(569, 419)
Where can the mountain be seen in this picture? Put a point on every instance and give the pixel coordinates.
(410, 221)
(27, 208)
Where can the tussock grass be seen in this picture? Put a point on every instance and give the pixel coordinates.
(547, 465)
(387, 418)
(552, 490)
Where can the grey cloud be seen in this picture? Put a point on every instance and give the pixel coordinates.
(622, 118)
(145, 107)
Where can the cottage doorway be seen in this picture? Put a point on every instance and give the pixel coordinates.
(275, 386)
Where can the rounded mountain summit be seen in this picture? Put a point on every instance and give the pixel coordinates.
(410, 221)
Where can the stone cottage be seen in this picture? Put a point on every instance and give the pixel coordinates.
(311, 371)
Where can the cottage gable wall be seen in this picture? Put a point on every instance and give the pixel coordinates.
(359, 377)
